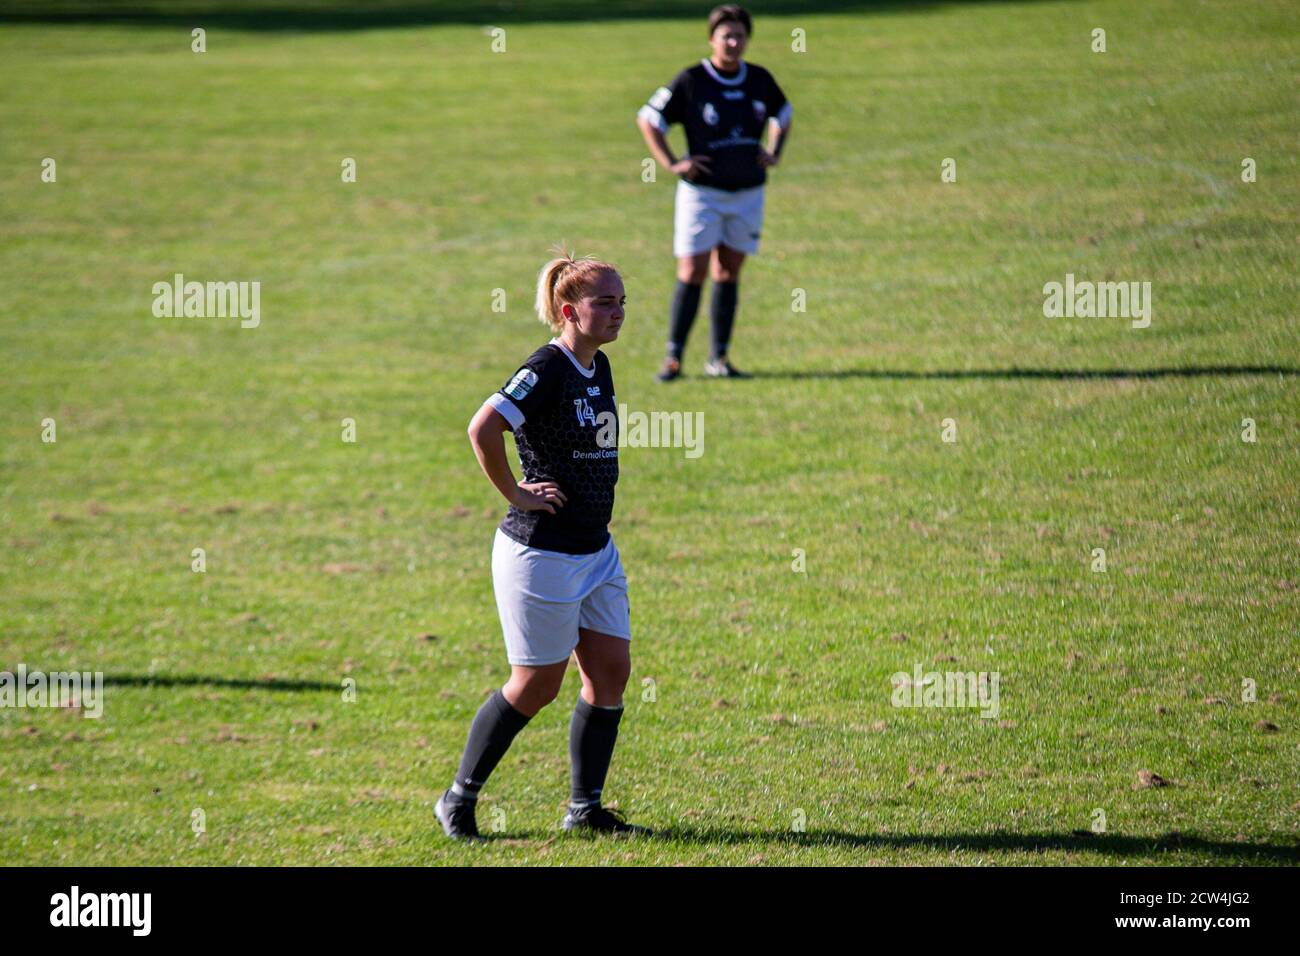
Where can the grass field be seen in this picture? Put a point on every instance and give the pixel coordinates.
(329, 560)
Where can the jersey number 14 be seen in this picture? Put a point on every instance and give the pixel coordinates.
(586, 416)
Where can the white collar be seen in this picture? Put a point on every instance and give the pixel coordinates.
(588, 372)
(733, 81)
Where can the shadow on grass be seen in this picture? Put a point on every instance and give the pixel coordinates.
(1201, 371)
(202, 680)
(333, 15)
(1078, 841)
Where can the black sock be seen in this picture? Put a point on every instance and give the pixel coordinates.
(686, 302)
(494, 727)
(723, 315)
(592, 733)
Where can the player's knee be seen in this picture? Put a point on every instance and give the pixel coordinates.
(532, 695)
(726, 268)
(693, 269)
(613, 679)
(546, 693)
(534, 700)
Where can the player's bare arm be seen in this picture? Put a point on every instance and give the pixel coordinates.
(487, 435)
(687, 166)
(776, 140)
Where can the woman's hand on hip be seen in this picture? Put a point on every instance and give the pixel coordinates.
(539, 496)
(689, 166)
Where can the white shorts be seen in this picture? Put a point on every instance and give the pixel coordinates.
(545, 596)
(706, 217)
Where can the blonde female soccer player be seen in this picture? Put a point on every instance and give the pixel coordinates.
(725, 104)
(557, 575)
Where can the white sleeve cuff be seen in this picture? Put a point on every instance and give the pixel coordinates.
(508, 409)
(653, 117)
(783, 117)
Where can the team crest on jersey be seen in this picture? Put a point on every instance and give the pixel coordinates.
(760, 109)
(710, 114)
(521, 384)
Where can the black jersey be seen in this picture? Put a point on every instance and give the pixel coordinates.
(565, 422)
(724, 119)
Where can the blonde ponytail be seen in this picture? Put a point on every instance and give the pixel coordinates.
(565, 279)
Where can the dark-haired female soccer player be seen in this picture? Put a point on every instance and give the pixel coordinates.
(557, 575)
(725, 104)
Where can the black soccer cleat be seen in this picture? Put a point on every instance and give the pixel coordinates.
(721, 367)
(596, 819)
(670, 370)
(457, 819)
